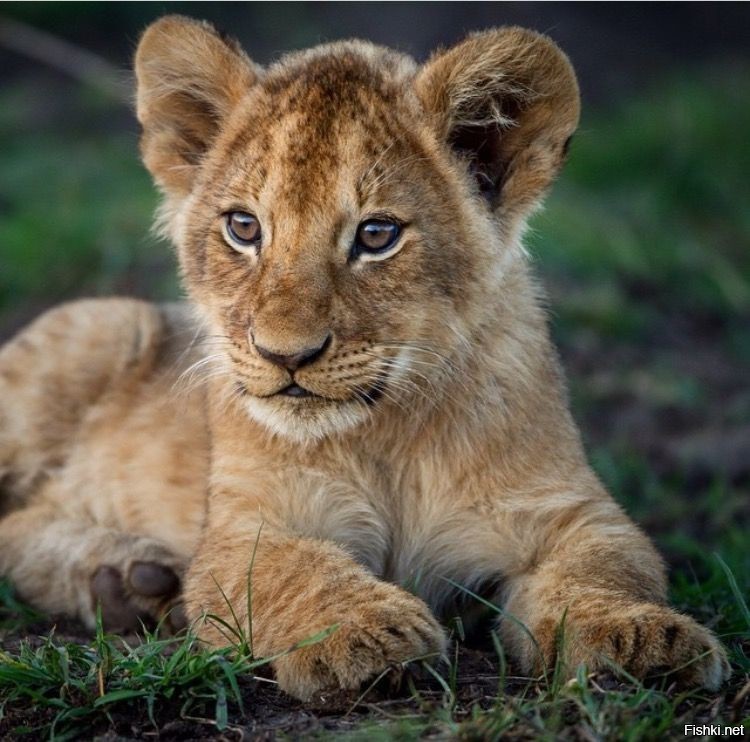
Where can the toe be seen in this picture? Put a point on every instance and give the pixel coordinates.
(153, 580)
(108, 591)
(177, 618)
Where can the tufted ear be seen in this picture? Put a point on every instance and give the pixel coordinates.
(189, 79)
(507, 101)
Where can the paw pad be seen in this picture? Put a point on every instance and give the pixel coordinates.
(153, 580)
(108, 591)
(144, 598)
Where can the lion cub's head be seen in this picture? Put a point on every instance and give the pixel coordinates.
(345, 217)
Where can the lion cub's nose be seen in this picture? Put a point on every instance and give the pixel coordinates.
(293, 361)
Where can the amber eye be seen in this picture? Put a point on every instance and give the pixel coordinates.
(375, 237)
(243, 229)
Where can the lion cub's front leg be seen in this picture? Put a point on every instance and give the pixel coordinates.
(299, 588)
(597, 595)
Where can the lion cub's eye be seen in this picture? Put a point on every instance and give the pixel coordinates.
(375, 238)
(243, 229)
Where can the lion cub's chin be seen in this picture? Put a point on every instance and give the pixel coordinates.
(306, 420)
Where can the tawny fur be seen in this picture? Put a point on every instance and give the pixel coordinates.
(117, 417)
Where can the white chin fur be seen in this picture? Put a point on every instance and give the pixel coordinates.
(301, 424)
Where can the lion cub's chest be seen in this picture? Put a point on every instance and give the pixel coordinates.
(416, 532)
(415, 526)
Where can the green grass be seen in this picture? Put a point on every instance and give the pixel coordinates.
(579, 708)
(72, 687)
(75, 688)
(75, 210)
(652, 205)
(78, 685)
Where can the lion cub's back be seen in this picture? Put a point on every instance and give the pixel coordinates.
(96, 417)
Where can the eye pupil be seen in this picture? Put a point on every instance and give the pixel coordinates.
(376, 235)
(243, 228)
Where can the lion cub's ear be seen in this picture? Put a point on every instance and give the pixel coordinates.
(507, 100)
(189, 79)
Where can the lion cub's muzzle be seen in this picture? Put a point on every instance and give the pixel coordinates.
(326, 371)
(291, 362)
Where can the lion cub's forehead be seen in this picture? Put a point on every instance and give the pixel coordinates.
(332, 100)
(326, 119)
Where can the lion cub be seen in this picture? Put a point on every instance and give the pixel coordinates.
(362, 395)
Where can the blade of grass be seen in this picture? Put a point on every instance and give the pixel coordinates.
(250, 590)
(735, 588)
(240, 631)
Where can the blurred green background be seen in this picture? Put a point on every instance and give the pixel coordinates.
(644, 246)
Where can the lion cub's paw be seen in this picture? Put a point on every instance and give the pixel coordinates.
(651, 639)
(385, 627)
(139, 583)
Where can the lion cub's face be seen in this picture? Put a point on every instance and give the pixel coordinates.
(339, 217)
(328, 245)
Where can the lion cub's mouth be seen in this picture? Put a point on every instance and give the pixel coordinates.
(295, 390)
